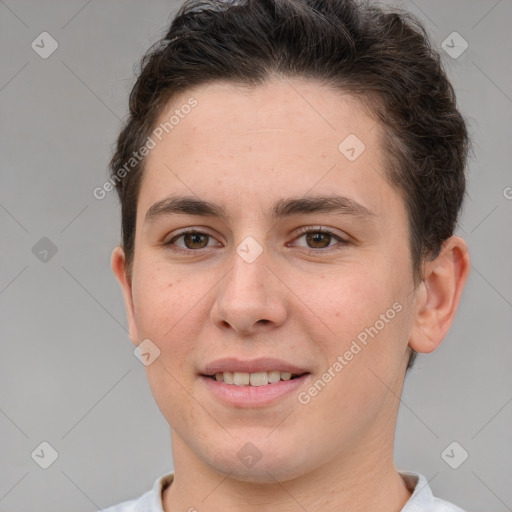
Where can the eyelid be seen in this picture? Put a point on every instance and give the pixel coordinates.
(320, 229)
(342, 240)
(185, 231)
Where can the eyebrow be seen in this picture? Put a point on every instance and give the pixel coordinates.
(188, 205)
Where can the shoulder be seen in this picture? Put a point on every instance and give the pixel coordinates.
(444, 506)
(151, 501)
(141, 504)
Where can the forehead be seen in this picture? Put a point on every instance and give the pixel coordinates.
(284, 138)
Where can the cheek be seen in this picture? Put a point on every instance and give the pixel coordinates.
(366, 320)
(359, 315)
(161, 297)
(345, 302)
(164, 307)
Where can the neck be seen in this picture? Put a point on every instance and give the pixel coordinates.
(363, 478)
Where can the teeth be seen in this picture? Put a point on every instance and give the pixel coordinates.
(258, 379)
(274, 376)
(241, 379)
(253, 379)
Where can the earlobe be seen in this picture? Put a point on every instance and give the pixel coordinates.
(438, 296)
(118, 264)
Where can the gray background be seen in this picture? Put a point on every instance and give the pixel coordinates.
(68, 375)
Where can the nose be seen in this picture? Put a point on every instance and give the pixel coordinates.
(250, 298)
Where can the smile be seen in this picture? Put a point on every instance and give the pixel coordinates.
(253, 379)
(247, 395)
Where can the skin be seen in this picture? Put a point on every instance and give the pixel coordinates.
(247, 149)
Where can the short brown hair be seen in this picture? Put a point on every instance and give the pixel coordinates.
(383, 58)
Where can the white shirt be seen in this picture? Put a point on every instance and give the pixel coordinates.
(421, 500)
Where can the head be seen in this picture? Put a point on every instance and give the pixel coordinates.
(260, 108)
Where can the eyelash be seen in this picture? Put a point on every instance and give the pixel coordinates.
(303, 231)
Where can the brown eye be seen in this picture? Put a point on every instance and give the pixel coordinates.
(190, 241)
(195, 240)
(318, 240)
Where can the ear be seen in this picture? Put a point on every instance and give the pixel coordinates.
(118, 263)
(438, 295)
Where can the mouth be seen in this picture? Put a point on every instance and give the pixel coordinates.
(244, 390)
(252, 383)
(256, 379)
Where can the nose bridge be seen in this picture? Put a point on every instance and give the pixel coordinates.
(248, 295)
(249, 279)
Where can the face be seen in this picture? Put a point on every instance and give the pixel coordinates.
(309, 265)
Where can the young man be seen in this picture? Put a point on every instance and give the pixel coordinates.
(290, 178)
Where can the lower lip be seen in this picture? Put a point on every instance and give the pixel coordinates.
(251, 396)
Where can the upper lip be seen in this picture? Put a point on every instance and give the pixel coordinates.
(262, 364)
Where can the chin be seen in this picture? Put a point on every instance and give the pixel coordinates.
(264, 474)
(266, 466)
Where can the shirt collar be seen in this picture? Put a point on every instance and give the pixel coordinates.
(161, 483)
(421, 492)
(415, 482)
